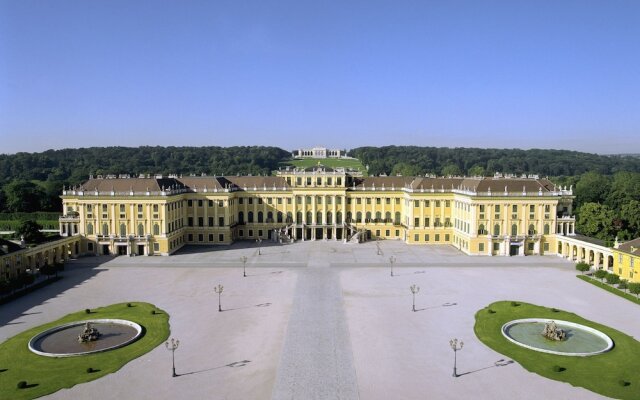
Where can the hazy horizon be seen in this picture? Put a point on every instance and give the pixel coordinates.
(296, 74)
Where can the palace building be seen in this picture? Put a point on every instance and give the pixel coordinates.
(157, 215)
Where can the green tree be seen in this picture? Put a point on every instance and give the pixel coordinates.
(596, 220)
(601, 274)
(451, 170)
(634, 288)
(623, 284)
(30, 229)
(405, 169)
(476, 170)
(582, 267)
(592, 188)
(23, 196)
(630, 214)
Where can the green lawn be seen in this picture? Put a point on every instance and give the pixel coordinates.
(613, 374)
(609, 288)
(46, 375)
(327, 162)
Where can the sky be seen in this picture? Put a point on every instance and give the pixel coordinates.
(338, 74)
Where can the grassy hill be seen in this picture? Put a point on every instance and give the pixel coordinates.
(327, 162)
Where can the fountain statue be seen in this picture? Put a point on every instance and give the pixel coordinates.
(552, 332)
(89, 334)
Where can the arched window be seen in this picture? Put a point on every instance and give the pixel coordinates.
(269, 216)
(358, 217)
(250, 217)
(329, 218)
(387, 217)
(289, 217)
(349, 217)
(481, 229)
(339, 217)
(260, 217)
(546, 229)
(241, 217)
(532, 230)
(319, 218)
(397, 218)
(496, 230)
(89, 228)
(123, 230)
(156, 229)
(514, 230)
(368, 216)
(309, 217)
(140, 230)
(105, 229)
(378, 216)
(279, 216)
(298, 217)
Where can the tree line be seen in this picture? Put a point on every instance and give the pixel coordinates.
(607, 188)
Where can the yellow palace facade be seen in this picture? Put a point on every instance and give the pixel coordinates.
(157, 215)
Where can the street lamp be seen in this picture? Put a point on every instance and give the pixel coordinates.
(218, 289)
(454, 346)
(244, 266)
(259, 241)
(392, 259)
(172, 348)
(414, 289)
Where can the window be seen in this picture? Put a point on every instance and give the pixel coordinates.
(241, 217)
(530, 246)
(190, 203)
(378, 200)
(319, 218)
(416, 222)
(416, 203)
(446, 237)
(220, 221)
(496, 230)
(437, 203)
(358, 217)
(546, 229)
(221, 237)
(241, 233)
(368, 217)
(387, 232)
(200, 204)
(309, 218)
(279, 217)
(514, 230)
(368, 200)
(250, 232)
(329, 218)
(210, 221)
(339, 217)
(437, 237)
(308, 181)
(260, 217)
(514, 208)
(250, 216)
(240, 200)
(427, 222)
(427, 203)
(190, 237)
(156, 229)
(89, 228)
(123, 230)
(140, 230)
(250, 200)
(156, 247)
(338, 181)
(190, 221)
(496, 247)
(447, 203)
(481, 230)
(481, 247)
(426, 237)
(532, 230)
(397, 218)
(200, 237)
(546, 247)
(416, 238)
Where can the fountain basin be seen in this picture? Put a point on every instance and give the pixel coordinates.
(62, 340)
(581, 340)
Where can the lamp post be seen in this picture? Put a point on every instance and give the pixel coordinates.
(454, 346)
(172, 348)
(414, 289)
(392, 259)
(218, 289)
(244, 266)
(259, 241)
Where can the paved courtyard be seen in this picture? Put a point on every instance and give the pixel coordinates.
(321, 320)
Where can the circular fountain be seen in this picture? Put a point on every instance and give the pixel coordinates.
(85, 337)
(556, 337)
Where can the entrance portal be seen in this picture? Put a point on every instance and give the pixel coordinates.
(514, 250)
(122, 250)
(140, 249)
(319, 233)
(105, 249)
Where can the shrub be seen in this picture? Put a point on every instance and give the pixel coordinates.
(87, 310)
(583, 267)
(515, 304)
(153, 312)
(555, 310)
(622, 382)
(623, 284)
(612, 279)
(22, 384)
(557, 368)
(601, 274)
(129, 305)
(90, 370)
(491, 311)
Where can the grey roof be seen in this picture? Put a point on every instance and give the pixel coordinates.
(10, 247)
(631, 247)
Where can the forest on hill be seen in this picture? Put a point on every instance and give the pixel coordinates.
(607, 188)
(414, 160)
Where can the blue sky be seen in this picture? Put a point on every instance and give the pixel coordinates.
(505, 74)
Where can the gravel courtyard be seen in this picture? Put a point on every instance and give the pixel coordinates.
(321, 320)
